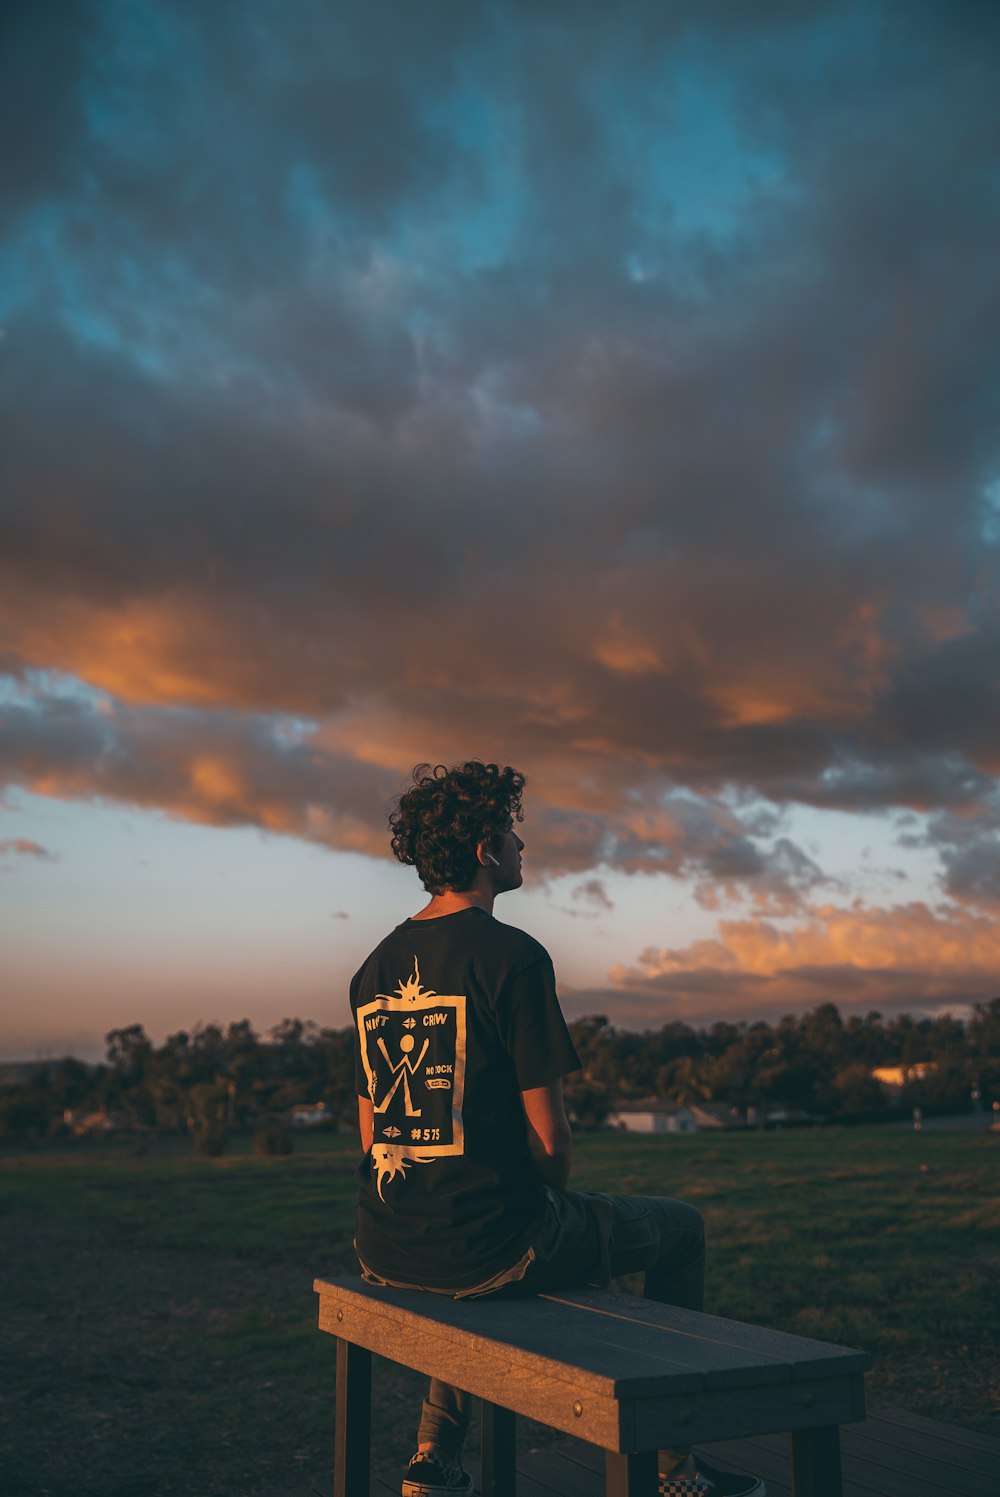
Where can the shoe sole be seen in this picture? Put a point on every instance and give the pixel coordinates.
(417, 1489)
(420, 1489)
(694, 1491)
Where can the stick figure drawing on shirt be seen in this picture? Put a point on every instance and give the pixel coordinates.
(403, 1070)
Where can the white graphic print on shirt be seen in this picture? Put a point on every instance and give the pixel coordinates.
(413, 1052)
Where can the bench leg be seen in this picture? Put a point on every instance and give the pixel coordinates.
(630, 1475)
(352, 1434)
(816, 1462)
(499, 1451)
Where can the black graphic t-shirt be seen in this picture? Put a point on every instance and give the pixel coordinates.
(454, 1018)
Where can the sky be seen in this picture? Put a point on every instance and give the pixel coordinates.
(611, 391)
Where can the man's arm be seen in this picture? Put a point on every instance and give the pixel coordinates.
(366, 1122)
(550, 1142)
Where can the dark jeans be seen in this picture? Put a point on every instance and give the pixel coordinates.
(586, 1238)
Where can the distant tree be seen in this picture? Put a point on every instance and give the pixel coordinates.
(334, 1050)
(738, 1072)
(70, 1083)
(984, 1048)
(292, 1040)
(591, 1092)
(721, 1036)
(208, 1103)
(821, 1033)
(681, 1081)
(588, 1102)
(170, 1101)
(128, 1051)
(856, 1090)
(25, 1113)
(984, 1028)
(865, 1039)
(207, 1053)
(948, 1081)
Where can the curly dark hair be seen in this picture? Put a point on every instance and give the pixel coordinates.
(440, 819)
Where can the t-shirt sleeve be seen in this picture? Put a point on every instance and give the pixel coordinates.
(532, 1027)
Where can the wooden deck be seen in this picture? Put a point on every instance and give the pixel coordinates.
(889, 1455)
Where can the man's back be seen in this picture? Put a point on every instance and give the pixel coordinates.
(455, 1017)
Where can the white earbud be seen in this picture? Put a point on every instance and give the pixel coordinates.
(491, 859)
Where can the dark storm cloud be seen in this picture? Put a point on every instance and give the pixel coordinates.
(973, 872)
(42, 112)
(969, 850)
(216, 768)
(226, 768)
(617, 393)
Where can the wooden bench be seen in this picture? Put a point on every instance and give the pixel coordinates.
(623, 1373)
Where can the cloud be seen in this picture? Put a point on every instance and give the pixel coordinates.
(973, 873)
(589, 901)
(907, 957)
(24, 847)
(593, 892)
(967, 845)
(290, 776)
(617, 400)
(218, 769)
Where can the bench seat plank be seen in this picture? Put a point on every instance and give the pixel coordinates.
(616, 1339)
(641, 1346)
(806, 1357)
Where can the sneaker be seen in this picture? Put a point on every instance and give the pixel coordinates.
(711, 1483)
(429, 1475)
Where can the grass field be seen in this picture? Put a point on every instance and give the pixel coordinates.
(159, 1321)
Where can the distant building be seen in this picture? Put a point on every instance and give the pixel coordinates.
(710, 1115)
(653, 1116)
(894, 1078)
(785, 1117)
(656, 1117)
(85, 1124)
(309, 1115)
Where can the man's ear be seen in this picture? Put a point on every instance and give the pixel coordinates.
(484, 857)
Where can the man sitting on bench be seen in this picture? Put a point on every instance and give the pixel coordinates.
(461, 1050)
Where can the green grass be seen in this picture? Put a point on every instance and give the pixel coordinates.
(159, 1321)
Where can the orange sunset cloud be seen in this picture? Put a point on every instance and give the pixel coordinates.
(855, 955)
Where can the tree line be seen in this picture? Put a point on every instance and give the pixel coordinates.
(211, 1081)
(817, 1063)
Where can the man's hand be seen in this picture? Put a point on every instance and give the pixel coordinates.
(550, 1142)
